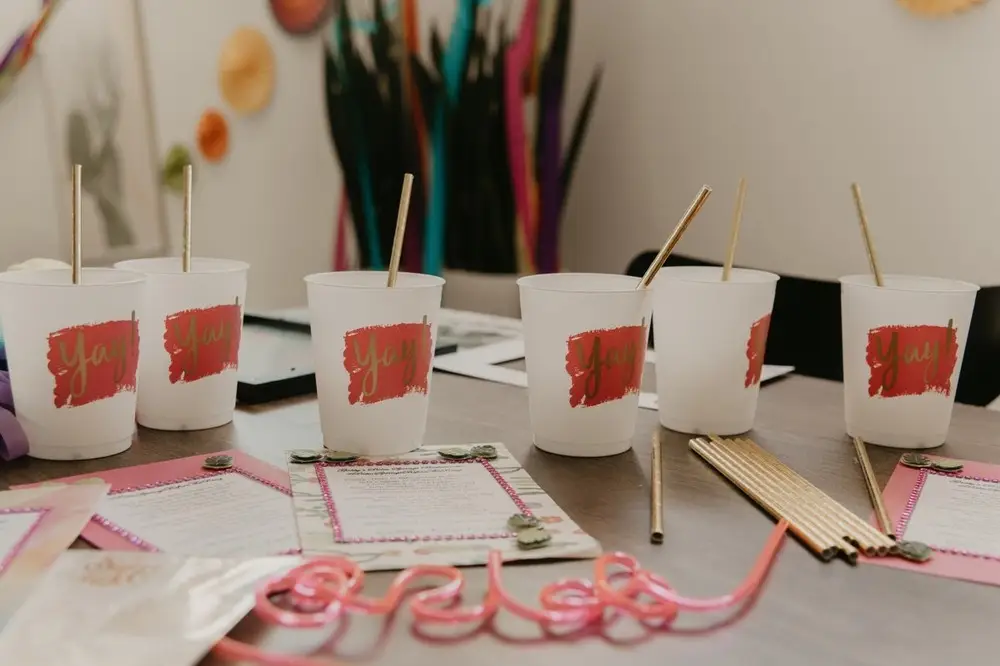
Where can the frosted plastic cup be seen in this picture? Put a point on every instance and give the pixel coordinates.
(585, 345)
(903, 349)
(373, 348)
(190, 342)
(710, 337)
(73, 352)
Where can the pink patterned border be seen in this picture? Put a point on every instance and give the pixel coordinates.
(911, 504)
(338, 532)
(142, 544)
(22, 542)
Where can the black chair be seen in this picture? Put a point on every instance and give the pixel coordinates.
(805, 331)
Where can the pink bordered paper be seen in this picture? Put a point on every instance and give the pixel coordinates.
(517, 505)
(42, 522)
(421, 508)
(104, 533)
(902, 497)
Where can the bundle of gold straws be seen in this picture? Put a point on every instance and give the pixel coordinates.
(820, 522)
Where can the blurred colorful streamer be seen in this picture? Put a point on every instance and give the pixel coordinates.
(491, 187)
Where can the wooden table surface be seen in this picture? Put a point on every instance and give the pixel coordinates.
(808, 613)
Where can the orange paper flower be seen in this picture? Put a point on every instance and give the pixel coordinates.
(938, 7)
(213, 136)
(247, 71)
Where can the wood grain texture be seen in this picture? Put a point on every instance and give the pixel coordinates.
(809, 612)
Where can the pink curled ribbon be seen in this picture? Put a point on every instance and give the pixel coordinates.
(13, 441)
(322, 591)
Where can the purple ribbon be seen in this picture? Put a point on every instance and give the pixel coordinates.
(13, 441)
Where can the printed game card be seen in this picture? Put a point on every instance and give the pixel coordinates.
(133, 609)
(957, 514)
(36, 525)
(421, 508)
(181, 507)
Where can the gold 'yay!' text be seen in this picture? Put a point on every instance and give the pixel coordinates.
(79, 361)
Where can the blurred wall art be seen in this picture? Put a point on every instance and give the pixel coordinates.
(91, 89)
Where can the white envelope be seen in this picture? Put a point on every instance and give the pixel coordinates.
(133, 609)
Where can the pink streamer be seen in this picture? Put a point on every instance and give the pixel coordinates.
(517, 60)
(320, 592)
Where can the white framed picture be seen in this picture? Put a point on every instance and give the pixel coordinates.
(93, 65)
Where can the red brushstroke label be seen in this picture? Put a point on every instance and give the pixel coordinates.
(911, 360)
(756, 344)
(605, 365)
(386, 362)
(94, 361)
(202, 342)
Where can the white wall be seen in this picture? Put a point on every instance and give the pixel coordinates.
(802, 98)
(273, 201)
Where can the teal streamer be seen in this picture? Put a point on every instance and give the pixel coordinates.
(436, 202)
(457, 51)
(334, 37)
(452, 74)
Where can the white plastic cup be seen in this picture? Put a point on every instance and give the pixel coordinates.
(710, 337)
(191, 328)
(585, 346)
(73, 353)
(903, 348)
(373, 348)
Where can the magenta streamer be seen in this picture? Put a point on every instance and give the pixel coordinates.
(517, 59)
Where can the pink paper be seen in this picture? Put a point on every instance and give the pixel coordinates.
(902, 495)
(59, 513)
(108, 536)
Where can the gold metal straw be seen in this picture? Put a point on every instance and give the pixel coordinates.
(77, 251)
(675, 237)
(188, 186)
(798, 506)
(656, 494)
(734, 234)
(885, 524)
(869, 245)
(829, 513)
(397, 240)
(851, 526)
(781, 496)
(819, 544)
(859, 445)
(823, 524)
